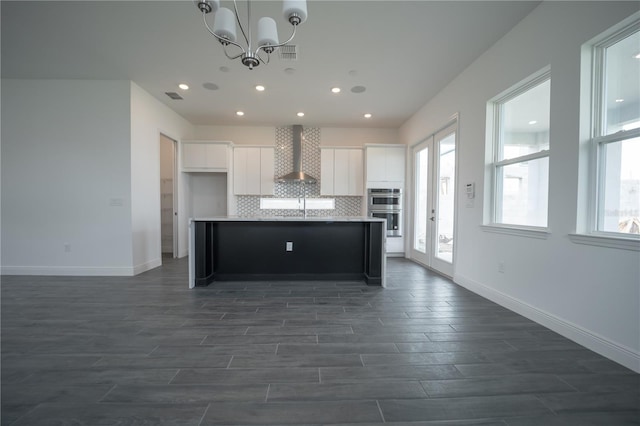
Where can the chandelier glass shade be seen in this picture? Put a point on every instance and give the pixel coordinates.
(251, 52)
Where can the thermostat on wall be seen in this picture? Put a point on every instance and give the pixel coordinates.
(471, 190)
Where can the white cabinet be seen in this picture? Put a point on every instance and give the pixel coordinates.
(205, 156)
(385, 165)
(267, 171)
(253, 170)
(327, 167)
(341, 171)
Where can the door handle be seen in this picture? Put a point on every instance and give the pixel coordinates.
(432, 218)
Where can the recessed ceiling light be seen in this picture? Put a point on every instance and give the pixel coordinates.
(240, 113)
(289, 70)
(260, 88)
(335, 90)
(637, 56)
(619, 100)
(210, 86)
(367, 115)
(300, 114)
(224, 69)
(358, 89)
(183, 86)
(533, 122)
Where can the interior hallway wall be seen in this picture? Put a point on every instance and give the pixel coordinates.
(80, 176)
(167, 165)
(150, 118)
(66, 177)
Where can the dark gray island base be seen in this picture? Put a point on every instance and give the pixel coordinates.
(284, 249)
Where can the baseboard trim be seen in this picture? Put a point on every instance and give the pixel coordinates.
(395, 254)
(68, 271)
(619, 353)
(143, 267)
(81, 270)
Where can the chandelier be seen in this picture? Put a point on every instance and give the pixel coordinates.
(224, 29)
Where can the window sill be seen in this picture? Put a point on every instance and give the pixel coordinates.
(623, 243)
(521, 231)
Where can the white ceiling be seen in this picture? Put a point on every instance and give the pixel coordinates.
(403, 52)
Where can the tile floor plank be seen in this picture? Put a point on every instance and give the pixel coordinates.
(346, 391)
(185, 394)
(296, 413)
(509, 385)
(462, 408)
(243, 375)
(113, 414)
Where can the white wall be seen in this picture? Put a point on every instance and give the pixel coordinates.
(65, 177)
(339, 136)
(265, 135)
(85, 159)
(150, 118)
(590, 294)
(239, 135)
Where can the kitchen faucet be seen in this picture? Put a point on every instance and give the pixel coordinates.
(304, 198)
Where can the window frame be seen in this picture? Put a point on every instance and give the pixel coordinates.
(599, 140)
(496, 165)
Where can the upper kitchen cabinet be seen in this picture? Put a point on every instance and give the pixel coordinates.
(341, 171)
(253, 170)
(205, 156)
(385, 165)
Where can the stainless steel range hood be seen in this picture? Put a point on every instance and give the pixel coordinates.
(297, 175)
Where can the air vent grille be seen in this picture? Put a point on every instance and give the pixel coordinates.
(288, 52)
(173, 95)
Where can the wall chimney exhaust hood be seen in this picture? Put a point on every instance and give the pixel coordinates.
(297, 175)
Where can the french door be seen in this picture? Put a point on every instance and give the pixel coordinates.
(434, 172)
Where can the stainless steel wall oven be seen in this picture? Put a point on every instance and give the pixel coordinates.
(386, 203)
(385, 199)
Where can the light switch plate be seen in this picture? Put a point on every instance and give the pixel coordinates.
(289, 246)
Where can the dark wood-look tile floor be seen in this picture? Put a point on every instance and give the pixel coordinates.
(146, 350)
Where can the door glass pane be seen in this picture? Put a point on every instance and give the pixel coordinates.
(445, 191)
(523, 189)
(620, 207)
(420, 220)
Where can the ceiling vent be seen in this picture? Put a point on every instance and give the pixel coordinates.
(173, 95)
(288, 52)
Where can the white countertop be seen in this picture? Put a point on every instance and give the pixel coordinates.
(287, 219)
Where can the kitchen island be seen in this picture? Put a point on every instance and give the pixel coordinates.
(286, 249)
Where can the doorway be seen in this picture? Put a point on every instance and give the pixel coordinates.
(168, 197)
(434, 173)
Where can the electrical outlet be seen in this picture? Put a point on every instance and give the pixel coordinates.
(289, 246)
(501, 267)
(67, 248)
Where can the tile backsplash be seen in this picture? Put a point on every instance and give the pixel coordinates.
(310, 160)
(249, 205)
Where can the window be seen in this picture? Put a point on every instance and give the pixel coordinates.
(520, 161)
(616, 134)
